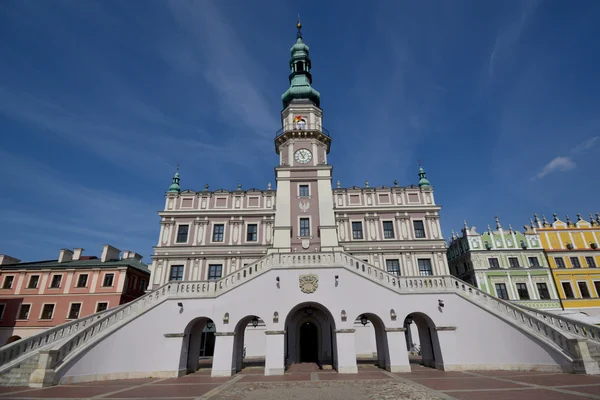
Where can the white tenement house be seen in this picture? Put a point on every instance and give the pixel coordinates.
(304, 272)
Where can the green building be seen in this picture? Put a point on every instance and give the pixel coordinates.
(505, 263)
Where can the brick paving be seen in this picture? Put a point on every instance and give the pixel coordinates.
(307, 382)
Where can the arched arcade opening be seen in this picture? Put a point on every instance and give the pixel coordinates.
(250, 328)
(198, 345)
(371, 341)
(425, 349)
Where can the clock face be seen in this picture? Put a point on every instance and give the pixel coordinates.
(303, 156)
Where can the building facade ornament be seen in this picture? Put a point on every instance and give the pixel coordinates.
(308, 283)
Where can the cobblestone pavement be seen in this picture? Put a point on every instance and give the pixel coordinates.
(313, 384)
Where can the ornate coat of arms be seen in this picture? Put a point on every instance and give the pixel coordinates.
(304, 205)
(308, 283)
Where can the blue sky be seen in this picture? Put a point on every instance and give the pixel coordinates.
(99, 101)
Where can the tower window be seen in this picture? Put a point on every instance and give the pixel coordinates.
(304, 192)
(182, 233)
(357, 231)
(299, 66)
(388, 229)
(218, 231)
(304, 227)
(252, 233)
(419, 229)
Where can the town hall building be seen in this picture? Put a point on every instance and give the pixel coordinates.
(303, 272)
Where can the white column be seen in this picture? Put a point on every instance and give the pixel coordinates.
(275, 357)
(511, 289)
(572, 240)
(550, 283)
(346, 351)
(477, 280)
(223, 355)
(397, 359)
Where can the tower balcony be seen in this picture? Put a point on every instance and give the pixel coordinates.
(302, 131)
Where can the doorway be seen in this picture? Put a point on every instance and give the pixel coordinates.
(309, 343)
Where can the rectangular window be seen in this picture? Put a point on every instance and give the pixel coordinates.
(8, 282)
(304, 227)
(560, 263)
(393, 266)
(583, 289)
(425, 267)
(2, 308)
(214, 271)
(494, 263)
(142, 284)
(101, 306)
(591, 263)
(575, 262)
(388, 229)
(543, 291)
(24, 311)
(534, 262)
(501, 291)
(357, 232)
(303, 191)
(82, 280)
(522, 290)
(74, 311)
(568, 290)
(176, 273)
(597, 287)
(56, 281)
(419, 229)
(108, 280)
(47, 311)
(182, 233)
(513, 262)
(218, 231)
(252, 235)
(33, 282)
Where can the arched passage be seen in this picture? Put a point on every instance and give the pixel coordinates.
(310, 335)
(370, 327)
(239, 348)
(198, 344)
(430, 351)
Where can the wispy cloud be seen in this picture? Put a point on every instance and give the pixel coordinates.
(509, 34)
(566, 163)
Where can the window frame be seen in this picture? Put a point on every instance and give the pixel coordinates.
(510, 263)
(255, 233)
(593, 261)
(304, 229)
(143, 285)
(180, 269)
(386, 232)
(301, 186)
(81, 275)
(504, 291)
(102, 302)
(559, 262)
(362, 233)
(215, 233)
(536, 263)
(497, 262)
(18, 318)
(596, 285)
(53, 276)
(422, 270)
(589, 294)
(397, 264)
(576, 264)
(37, 284)
(42, 311)
(522, 288)
(547, 291)
(210, 270)
(71, 309)
(179, 233)
(112, 283)
(415, 230)
(12, 281)
(2, 309)
(562, 284)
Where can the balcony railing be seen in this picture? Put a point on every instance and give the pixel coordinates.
(297, 127)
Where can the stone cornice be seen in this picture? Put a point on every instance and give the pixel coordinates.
(445, 328)
(274, 332)
(214, 213)
(345, 330)
(395, 329)
(174, 335)
(224, 333)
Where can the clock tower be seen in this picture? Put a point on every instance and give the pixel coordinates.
(304, 218)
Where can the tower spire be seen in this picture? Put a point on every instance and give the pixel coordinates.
(299, 26)
(175, 188)
(423, 181)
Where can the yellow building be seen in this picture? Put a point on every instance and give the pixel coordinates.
(573, 251)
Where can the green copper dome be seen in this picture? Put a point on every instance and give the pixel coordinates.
(423, 181)
(300, 77)
(174, 188)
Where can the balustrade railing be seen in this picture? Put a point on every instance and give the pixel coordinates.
(566, 324)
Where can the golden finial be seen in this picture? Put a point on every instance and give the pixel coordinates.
(299, 24)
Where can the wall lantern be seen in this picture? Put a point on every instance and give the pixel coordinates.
(364, 320)
(275, 317)
(277, 279)
(210, 324)
(180, 304)
(441, 303)
(226, 318)
(255, 322)
(344, 316)
(393, 314)
(308, 310)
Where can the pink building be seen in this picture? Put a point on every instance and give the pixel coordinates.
(35, 296)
